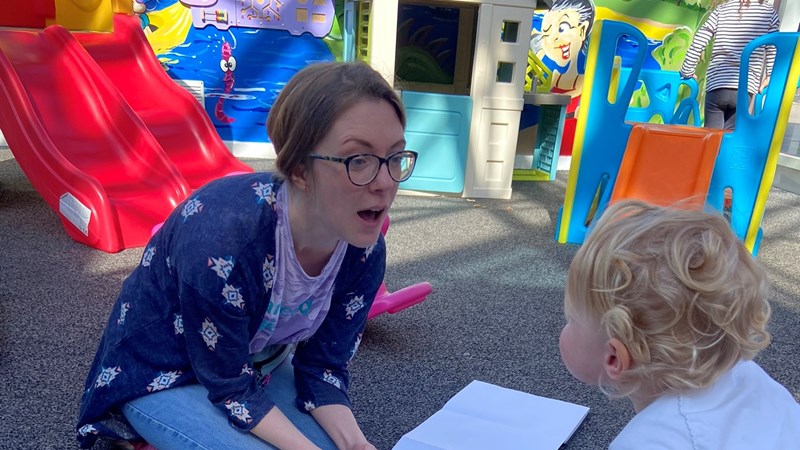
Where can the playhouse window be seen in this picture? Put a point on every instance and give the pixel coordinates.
(505, 72)
(509, 32)
(435, 46)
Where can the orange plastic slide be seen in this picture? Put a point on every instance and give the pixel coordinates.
(668, 165)
(172, 114)
(83, 148)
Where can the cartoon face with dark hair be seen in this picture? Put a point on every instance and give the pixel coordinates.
(563, 34)
(562, 37)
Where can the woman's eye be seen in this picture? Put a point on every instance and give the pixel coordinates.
(359, 163)
(564, 27)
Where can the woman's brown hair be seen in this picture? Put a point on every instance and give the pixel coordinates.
(313, 99)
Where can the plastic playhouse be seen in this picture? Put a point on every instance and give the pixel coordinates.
(669, 164)
(465, 122)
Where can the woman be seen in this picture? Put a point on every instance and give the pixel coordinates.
(732, 24)
(257, 273)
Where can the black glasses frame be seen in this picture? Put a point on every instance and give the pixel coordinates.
(346, 161)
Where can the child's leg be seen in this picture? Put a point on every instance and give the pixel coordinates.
(716, 104)
(183, 418)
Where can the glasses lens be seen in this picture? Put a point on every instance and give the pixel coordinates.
(401, 165)
(363, 168)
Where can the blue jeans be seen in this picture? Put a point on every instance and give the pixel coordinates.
(721, 108)
(182, 418)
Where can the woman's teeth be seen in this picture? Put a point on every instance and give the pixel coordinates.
(370, 214)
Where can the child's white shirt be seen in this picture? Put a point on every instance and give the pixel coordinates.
(744, 409)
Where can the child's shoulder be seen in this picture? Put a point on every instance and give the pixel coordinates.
(659, 425)
(743, 406)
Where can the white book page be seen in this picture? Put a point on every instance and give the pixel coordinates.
(484, 416)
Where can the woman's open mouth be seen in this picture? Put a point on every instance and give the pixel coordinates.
(372, 215)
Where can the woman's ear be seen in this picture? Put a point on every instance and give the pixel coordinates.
(618, 359)
(301, 178)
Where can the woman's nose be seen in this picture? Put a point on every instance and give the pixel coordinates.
(383, 180)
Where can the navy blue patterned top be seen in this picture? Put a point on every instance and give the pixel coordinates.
(188, 312)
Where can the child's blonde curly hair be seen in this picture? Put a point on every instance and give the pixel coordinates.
(677, 288)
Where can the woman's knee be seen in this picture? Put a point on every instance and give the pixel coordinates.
(183, 418)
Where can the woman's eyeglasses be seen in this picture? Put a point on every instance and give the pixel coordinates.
(363, 168)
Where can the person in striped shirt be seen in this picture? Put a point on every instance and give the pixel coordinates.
(732, 25)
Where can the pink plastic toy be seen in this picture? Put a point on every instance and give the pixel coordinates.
(392, 302)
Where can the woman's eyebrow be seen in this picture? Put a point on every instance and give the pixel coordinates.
(365, 143)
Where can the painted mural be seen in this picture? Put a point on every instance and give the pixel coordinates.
(314, 17)
(668, 24)
(242, 51)
(559, 35)
(560, 39)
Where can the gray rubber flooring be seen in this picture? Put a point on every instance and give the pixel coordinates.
(494, 315)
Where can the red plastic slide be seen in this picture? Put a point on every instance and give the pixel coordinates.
(176, 119)
(113, 144)
(83, 148)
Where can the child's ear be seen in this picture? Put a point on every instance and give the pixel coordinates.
(618, 359)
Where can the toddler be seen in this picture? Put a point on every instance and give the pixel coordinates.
(666, 307)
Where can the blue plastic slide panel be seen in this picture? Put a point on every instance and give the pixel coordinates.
(663, 88)
(438, 129)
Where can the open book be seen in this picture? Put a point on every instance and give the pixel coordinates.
(484, 416)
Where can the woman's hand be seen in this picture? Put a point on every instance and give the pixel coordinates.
(276, 429)
(341, 426)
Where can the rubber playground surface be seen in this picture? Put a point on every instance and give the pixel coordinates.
(494, 314)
